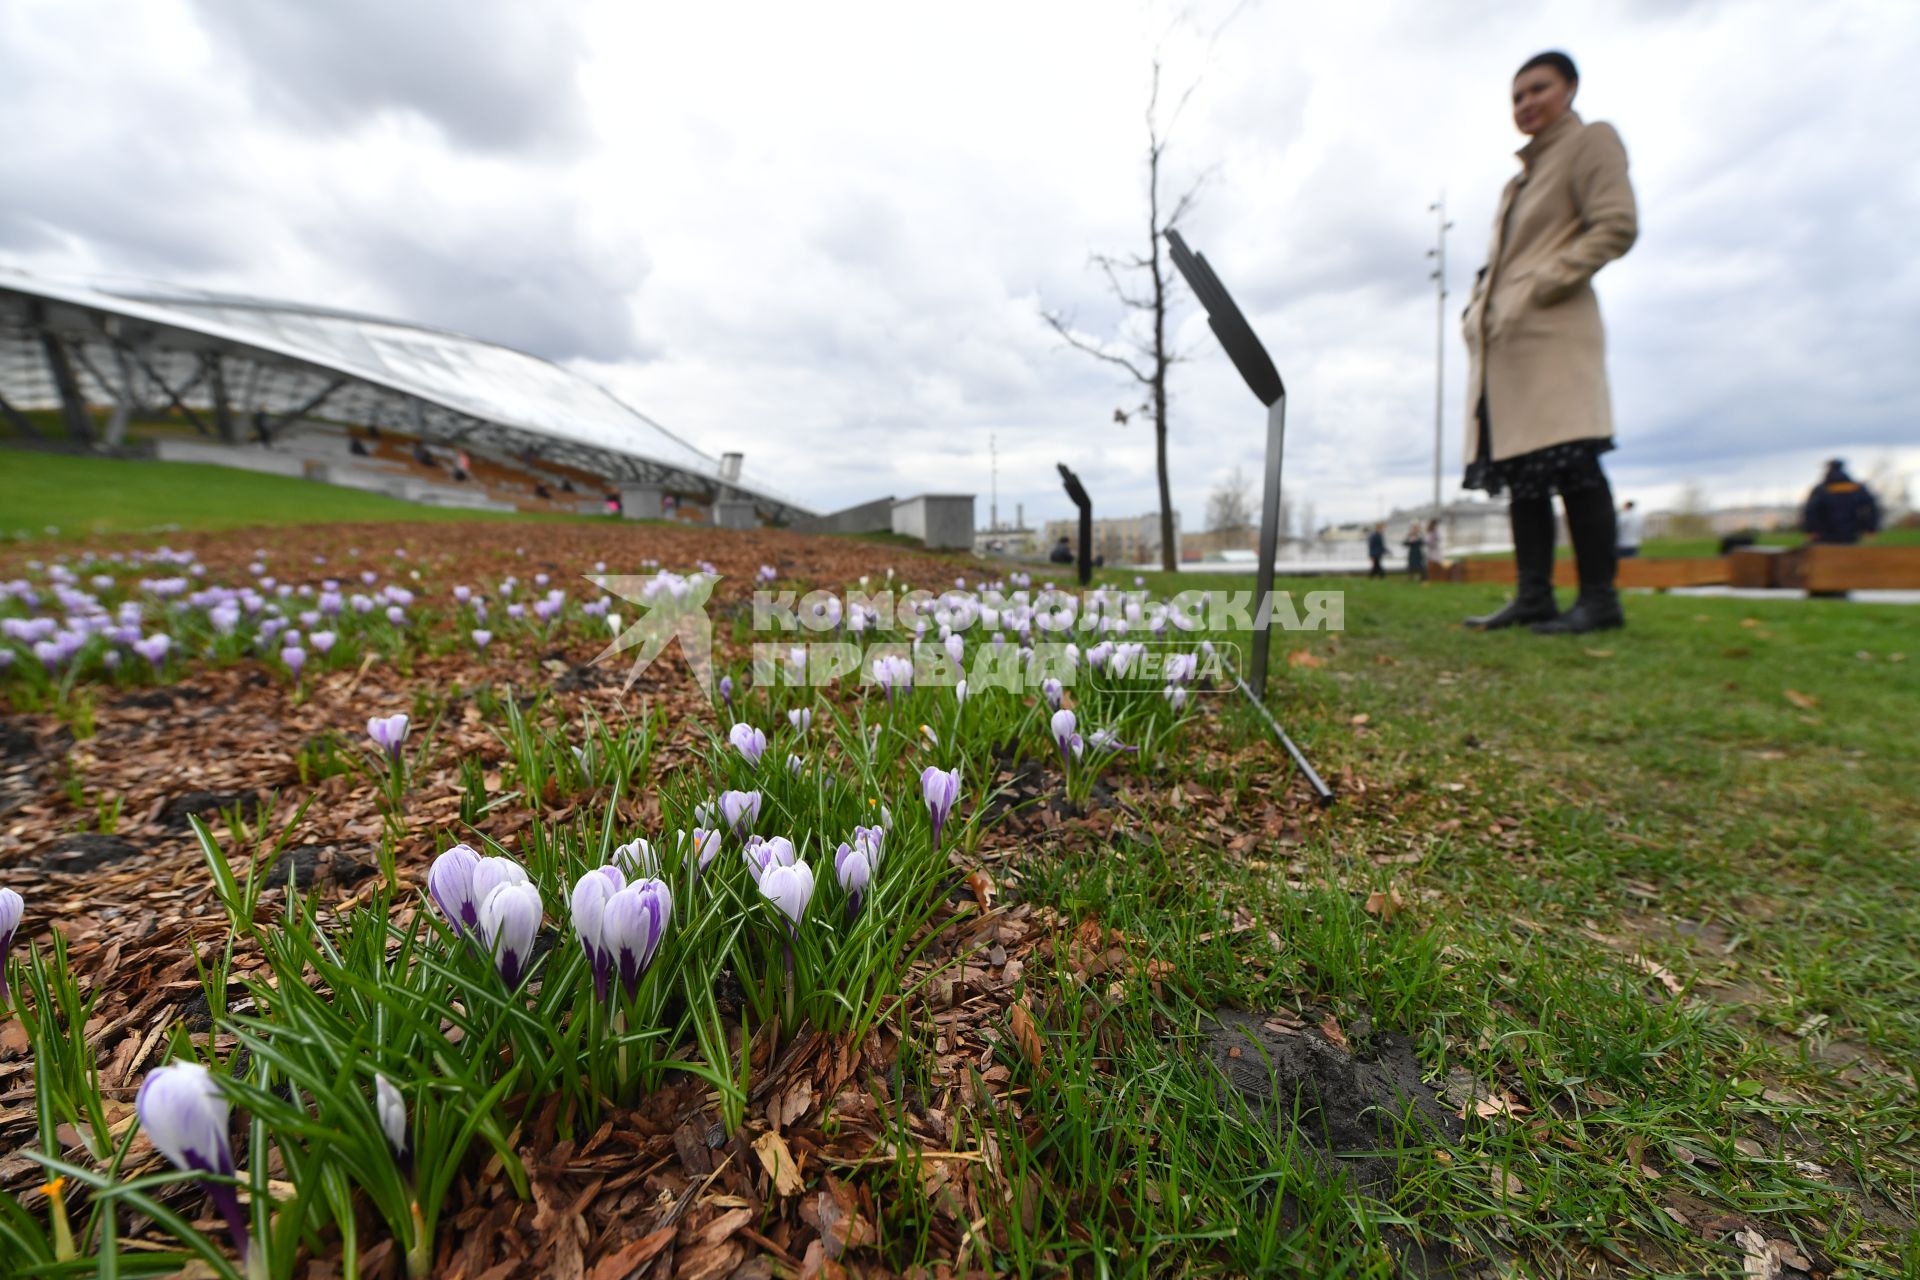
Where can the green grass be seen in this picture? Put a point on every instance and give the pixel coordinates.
(81, 496)
(1724, 791)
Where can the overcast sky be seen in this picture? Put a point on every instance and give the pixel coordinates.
(825, 234)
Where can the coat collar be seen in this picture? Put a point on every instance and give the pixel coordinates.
(1539, 143)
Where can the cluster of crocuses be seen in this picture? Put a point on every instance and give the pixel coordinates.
(70, 630)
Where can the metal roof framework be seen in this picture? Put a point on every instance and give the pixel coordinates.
(220, 359)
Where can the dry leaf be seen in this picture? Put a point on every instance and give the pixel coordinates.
(777, 1160)
(982, 885)
(1599, 653)
(1360, 719)
(1304, 658)
(1385, 903)
(1331, 1030)
(1027, 1035)
(1489, 1107)
(1660, 971)
(1804, 701)
(1506, 1186)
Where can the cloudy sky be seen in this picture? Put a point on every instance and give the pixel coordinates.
(825, 234)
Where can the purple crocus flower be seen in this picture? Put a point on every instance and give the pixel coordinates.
(388, 732)
(184, 1115)
(509, 919)
(706, 847)
(740, 810)
(940, 788)
(1065, 737)
(636, 858)
(396, 615)
(801, 718)
(450, 883)
(632, 926)
(590, 895)
(748, 741)
(789, 887)
(726, 691)
(763, 855)
(321, 641)
(1176, 696)
(481, 638)
(1052, 690)
(12, 906)
(295, 657)
(795, 765)
(853, 867)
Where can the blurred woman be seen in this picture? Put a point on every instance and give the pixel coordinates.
(1538, 411)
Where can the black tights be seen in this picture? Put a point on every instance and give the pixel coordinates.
(1590, 519)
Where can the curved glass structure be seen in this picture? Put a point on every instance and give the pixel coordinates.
(236, 366)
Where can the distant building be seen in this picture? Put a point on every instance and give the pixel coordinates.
(1121, 540)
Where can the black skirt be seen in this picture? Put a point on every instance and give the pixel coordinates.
(1558, 468)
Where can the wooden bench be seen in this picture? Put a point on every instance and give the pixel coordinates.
(1861, 568)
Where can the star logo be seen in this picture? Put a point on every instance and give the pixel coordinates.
(671, 606)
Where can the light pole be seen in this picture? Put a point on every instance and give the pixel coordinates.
(1439, 276)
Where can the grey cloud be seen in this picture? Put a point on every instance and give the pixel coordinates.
(523, 280)
(493, 75)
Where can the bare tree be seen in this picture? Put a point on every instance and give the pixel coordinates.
(1146, 358)
(1230, 505)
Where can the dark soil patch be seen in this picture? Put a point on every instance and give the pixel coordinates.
(156, 699)
(17, 741)
(312, 863)
(86, 851)
(205, 805)
(1352, 1107)
(1349, 1101)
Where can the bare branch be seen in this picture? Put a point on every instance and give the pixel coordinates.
(1062, 327)
(1106, 264)
(1185, 203)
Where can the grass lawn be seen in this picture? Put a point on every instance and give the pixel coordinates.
(1646, 901)
(79, 496)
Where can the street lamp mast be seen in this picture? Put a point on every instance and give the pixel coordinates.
(1439, 276)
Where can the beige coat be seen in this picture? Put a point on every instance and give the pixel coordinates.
(1535, 344)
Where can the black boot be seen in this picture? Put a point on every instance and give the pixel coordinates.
(1590, 519)
(1532, 523)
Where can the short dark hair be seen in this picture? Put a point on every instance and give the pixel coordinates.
(1560, 62)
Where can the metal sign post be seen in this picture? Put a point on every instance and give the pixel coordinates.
(1256, 366)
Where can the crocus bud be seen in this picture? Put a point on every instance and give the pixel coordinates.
(388, 732)
(1053, 692)
(801, 718)
(790, 888)
(392, 1109)
(450, 883)
(960, 693)
(1176, 696)
(634, 922)
(795, 765)
(481, 637)
(748, 741)
(12, 906)
(740, 810)
(726, 691)
(940, 789)
(509, 919)
(854, 869)
(184, 1115)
